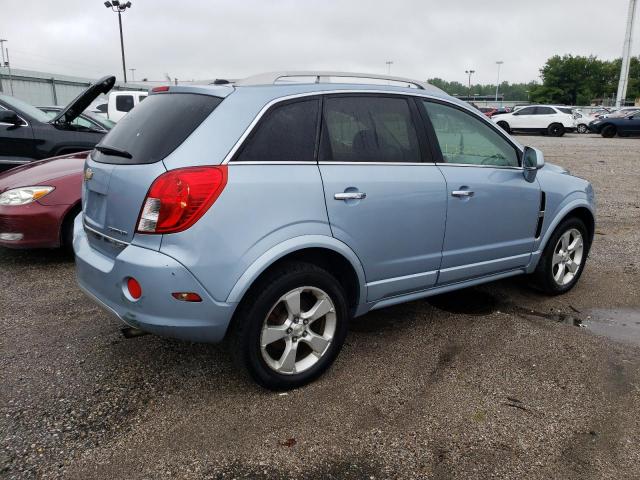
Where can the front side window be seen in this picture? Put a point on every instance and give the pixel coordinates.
(286, 134)
(526, 111)
(545, 111)
(368, 129)
(464, 139)
(124, 103)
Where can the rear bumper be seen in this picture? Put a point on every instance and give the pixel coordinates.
(104, 279)
(31, 226)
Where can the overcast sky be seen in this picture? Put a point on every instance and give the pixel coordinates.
(191, 39)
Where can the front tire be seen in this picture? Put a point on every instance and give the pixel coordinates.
(555, 130)
(564, 258)
(582, 128)
(291, 326)
(609, 131)
(504, 126)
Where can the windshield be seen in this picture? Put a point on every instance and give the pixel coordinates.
(23, 107)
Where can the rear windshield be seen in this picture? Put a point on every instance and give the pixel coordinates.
(156, 127)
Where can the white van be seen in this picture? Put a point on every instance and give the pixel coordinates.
(119, 103)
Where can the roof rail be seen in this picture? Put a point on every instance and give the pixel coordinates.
(323, 77)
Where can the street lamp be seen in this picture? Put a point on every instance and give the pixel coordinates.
(527, 92)
(389, 63)
(499, 63)
(469, 72)
(118, 7)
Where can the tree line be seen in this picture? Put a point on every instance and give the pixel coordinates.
(568, 79)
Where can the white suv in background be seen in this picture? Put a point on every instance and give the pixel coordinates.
(538, 118)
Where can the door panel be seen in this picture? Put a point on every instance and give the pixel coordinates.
(16, 143)
(397, 229)
(383, 201)
(493, 230)
(492, 210)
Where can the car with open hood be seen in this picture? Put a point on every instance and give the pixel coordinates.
(27, 133)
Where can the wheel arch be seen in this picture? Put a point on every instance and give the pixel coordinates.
(68, 219)
(325, 252)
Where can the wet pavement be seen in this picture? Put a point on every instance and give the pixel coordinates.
(497, 381)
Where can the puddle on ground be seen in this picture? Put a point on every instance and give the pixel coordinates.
(621, 324)
(468, 301)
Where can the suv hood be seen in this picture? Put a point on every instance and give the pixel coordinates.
(69, 113)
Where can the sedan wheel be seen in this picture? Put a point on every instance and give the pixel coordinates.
(298, 330)
(609, 131)
(582, 128)
(567, 257)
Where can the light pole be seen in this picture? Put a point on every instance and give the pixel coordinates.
(527, 92)
(6, 64)
(132, 70)
(626, 56)
(118, 7)
(469, 72)
(389, 63)
(499, 63)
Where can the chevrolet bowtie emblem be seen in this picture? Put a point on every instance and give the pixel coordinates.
(88, 174)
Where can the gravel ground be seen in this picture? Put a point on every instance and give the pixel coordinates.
(495, 381)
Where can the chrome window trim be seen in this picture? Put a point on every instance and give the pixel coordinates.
(333, 163)
(417, 93)
(107, 238)
(24, 124)
(502, 167)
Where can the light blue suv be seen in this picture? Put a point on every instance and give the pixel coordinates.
(272, 211)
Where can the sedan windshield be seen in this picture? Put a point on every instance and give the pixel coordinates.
(24, 107)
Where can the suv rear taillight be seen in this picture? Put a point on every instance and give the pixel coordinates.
(178, 198)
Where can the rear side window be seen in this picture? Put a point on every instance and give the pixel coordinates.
(368, 129)
(141, 97)
(566, 110)
(286, 134)
(124, 103)
(156, 127)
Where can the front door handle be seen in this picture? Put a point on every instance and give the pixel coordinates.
(350, 196)
(462, 193)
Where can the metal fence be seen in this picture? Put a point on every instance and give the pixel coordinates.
(40, 88)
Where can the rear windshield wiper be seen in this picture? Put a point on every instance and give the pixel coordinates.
(116, 152)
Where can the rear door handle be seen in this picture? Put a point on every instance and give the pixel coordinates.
(462, 193)
(350, 196)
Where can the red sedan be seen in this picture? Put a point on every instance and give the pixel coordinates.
(39, 201)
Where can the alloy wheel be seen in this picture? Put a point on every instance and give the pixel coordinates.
(298, 330)
(567, 257)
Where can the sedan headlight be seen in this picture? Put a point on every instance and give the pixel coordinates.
(24, 195)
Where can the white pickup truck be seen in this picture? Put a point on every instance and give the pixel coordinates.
(119, 103)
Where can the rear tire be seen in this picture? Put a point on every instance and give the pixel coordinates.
(505, 126)
(563, 258)
(273, 341)
(555, 130)
(609, 131)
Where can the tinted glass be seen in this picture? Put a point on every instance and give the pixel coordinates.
(286, 134)
(368, 129)
(102, 108)
(526, 111)
(141, 97)
(124, 103)
(465, 139)
(545, 111)
(156, 127)
(21, 107)
(566, 110)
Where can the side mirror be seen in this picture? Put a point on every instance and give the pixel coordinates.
(10, 117)
(532, 161)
